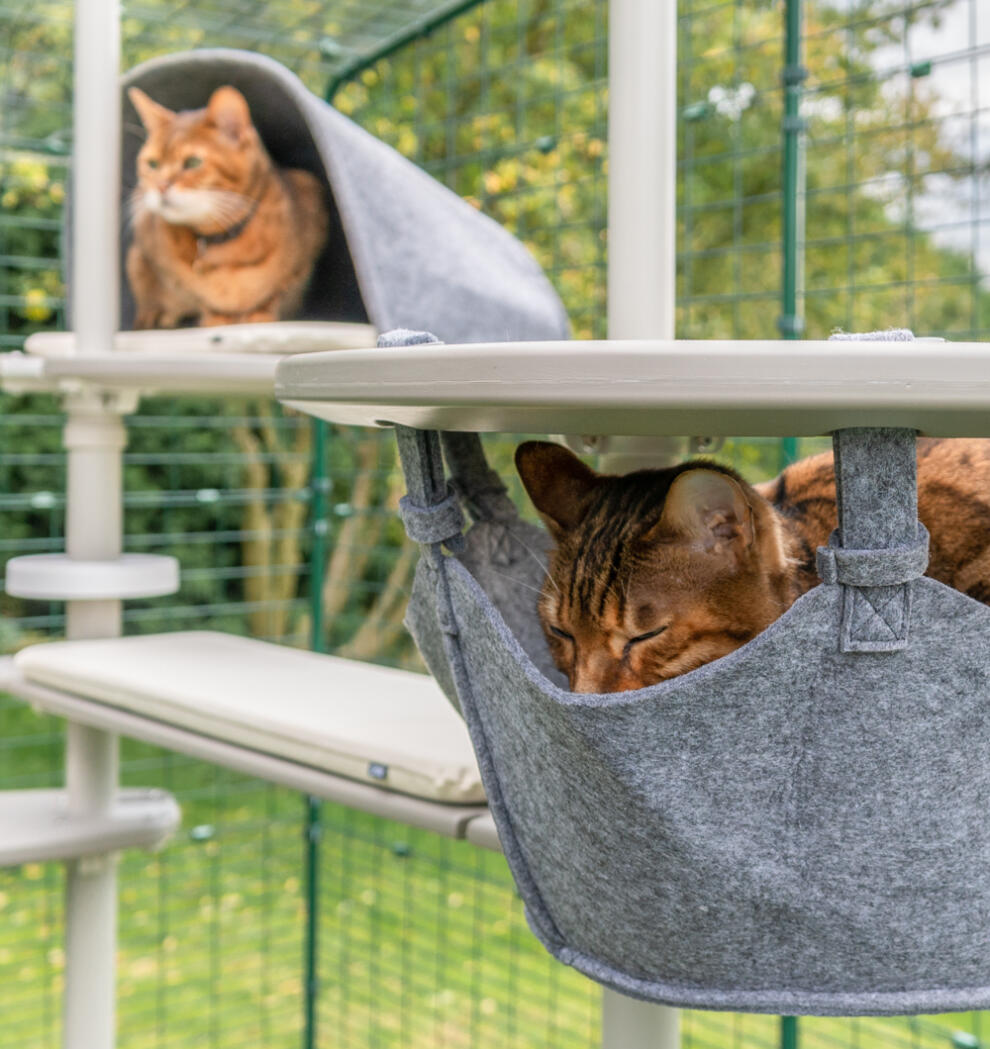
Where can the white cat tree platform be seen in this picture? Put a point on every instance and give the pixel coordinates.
(770, 388)
(232, 359)
(381, 740)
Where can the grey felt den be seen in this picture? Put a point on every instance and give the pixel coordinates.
(800, 827)
(402, 250)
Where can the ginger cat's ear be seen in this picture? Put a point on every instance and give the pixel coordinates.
(557, 482)
(228, 111)
(152, 115)
(709, 508)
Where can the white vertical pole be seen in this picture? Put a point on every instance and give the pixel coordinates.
(642, 166)
(642, 150)
(96, 175)
(642, 184)
(94, 437)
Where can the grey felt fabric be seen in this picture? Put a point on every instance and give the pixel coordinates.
(403, 249)
(798, 827)
(438, 523)
(790, 829)
(878, 508)
(506, 555)
(890, 567)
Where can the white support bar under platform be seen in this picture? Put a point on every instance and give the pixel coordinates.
(58, 577)
(482, 832)
(37, 826)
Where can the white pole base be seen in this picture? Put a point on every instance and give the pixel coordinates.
(628, 1023)
(90, 946)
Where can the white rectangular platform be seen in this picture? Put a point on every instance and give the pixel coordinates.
(769, 388)
(374, 738)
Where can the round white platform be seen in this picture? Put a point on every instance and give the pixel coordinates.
(57, 577)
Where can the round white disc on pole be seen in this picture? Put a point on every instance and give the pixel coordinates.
(58, 577)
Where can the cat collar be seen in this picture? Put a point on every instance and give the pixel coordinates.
(209, 240)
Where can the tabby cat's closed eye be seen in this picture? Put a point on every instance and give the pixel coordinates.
(645, 637)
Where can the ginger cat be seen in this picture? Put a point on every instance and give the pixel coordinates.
(658, 572)
(221, 235)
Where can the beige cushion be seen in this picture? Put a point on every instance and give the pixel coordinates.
(375, 724)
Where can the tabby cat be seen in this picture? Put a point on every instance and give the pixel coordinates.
(658, 572)
(221, 235)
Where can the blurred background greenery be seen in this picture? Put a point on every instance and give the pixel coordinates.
(422, 941)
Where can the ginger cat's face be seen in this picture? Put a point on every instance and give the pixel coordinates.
(199, 168)
(655, 573)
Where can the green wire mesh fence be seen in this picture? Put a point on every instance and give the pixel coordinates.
(287, 531)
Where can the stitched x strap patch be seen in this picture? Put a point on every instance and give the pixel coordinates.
(875, 618)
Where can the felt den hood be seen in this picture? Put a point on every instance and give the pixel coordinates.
(404, 251)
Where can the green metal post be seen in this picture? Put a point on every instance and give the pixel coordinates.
(319, 485)
(791, 323)
(313, 833)
(788, 1032)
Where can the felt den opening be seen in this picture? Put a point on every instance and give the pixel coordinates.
(333, 293)
(768, 833)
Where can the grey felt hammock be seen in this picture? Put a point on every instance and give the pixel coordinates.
(800, 827)
(402, 248)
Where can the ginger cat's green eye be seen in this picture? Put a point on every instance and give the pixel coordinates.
(152, 164)
(192, 162)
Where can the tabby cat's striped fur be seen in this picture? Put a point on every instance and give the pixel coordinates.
(658, 572)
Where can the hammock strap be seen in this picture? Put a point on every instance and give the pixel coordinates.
(879, 546)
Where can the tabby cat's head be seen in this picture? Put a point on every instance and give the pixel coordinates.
(654, 573)
(201, 168)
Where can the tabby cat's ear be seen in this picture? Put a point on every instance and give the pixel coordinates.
(557, 482)
(228, 111)
(707, 507)
(152, 114)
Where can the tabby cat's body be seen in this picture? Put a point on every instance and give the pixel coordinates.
(221, 235)
(661, 571)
